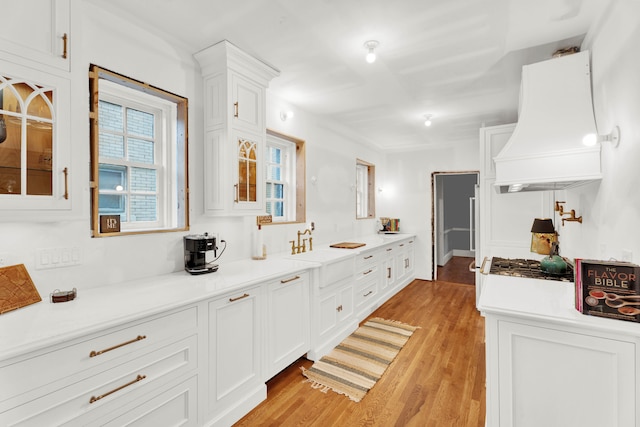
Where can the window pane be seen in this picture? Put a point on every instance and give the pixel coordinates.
(143, 179)
(275, 154)
(143, 208)
(274, 173)
(278, 208)
(113, 204)
(269, 190)
(110, 116)
(112, 177)
(140, 150)
(279, 191)
(111, 145)
(269, 209)
(139, 123)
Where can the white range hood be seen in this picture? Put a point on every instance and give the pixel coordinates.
(545, 151)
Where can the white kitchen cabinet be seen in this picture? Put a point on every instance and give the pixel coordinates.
(235, 336)
(288, 336)
(101, 376)
(334, 316)
(550, 365)
(367, 282)
(234, 110)
(405, 252)
(551, 377)
(36, 176)
(37, 32)
(504, 219)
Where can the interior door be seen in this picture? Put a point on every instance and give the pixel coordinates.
(476, 230)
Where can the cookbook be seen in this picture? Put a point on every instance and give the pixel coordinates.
(608, 289)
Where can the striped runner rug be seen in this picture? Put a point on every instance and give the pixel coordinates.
(358, 362)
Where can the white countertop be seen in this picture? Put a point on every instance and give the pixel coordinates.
(43, 324)
(543, 300)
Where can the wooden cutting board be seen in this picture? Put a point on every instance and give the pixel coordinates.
(347, 245)
(16, 288)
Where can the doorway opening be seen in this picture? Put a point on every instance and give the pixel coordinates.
(453, 227)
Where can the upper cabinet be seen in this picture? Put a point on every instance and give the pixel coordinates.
(235, 86)
(37, 31)
(35, 170)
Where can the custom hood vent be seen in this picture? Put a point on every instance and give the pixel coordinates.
(545, 151)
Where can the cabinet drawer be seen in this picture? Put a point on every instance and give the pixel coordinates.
(107, 392)
(367, 272)
(64, 363)
(366, 292)
(367, 258)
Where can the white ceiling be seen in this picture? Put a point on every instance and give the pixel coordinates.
(459, 60)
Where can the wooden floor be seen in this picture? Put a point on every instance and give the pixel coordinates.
(457, 270)
(438, 378)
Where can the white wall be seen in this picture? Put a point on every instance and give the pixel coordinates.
(408, 193)
(611, 209)
(106, 40)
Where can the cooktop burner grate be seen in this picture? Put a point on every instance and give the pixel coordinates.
(530, 268)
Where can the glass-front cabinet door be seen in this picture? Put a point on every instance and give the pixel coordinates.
(34, 168)
(248, 187)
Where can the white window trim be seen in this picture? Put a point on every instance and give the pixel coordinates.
(165, 152)
(288, 176)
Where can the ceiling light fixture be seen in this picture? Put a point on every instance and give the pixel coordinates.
(284, 115)
(427, 120)
(371, 54)
(592, 139)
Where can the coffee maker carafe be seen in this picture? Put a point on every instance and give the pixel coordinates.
(196, 247)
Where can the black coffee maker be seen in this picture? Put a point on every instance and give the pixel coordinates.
(196, 247)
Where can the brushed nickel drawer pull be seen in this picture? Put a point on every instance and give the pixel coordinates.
(367, 294)
(238, 298)
(367, 272)
(367, 257)
(290, 279)
(136, 339)
(138, 378)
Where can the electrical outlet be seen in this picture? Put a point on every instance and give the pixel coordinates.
(57, 257)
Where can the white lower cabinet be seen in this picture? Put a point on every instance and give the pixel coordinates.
(543, 375)
(103, 375)
(287, 322)
(235, 382)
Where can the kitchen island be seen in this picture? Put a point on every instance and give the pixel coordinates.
(550, 365)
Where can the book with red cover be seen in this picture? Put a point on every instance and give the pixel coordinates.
(608, 289)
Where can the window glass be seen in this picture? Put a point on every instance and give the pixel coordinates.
(140, 137)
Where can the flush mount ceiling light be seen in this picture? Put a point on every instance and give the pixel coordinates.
(592, 139)
(371, 45)
(284, 115)
(427, 120)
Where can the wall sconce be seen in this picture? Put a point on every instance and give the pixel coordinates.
(543, 236)
(427, 120)
(284, 115)
(571, 214)
(592, 139)
(371, 54)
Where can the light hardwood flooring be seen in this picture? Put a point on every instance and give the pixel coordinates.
(438, 378)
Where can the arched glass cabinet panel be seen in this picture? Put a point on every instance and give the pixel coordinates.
(247, 171)
(27, 121)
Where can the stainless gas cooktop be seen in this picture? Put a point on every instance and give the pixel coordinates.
(530, 268)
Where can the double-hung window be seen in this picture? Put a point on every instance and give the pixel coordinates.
(281, 179)
(141, 150)
(285, 178)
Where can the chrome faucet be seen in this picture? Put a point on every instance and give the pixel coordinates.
(296, 249)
